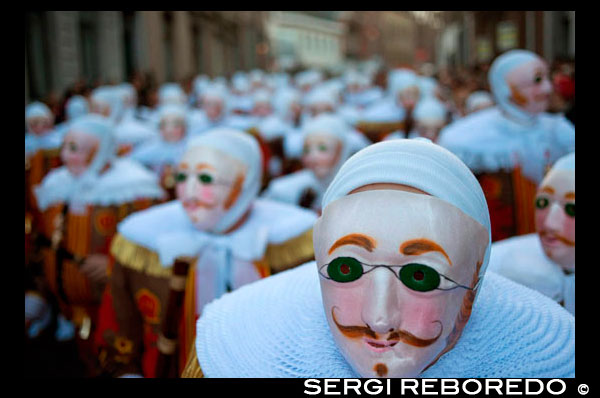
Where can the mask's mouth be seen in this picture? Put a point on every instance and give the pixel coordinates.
(379, 345)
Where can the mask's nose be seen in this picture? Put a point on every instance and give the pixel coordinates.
(555, 219)
(380, 310)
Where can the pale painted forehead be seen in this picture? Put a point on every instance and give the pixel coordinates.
(531, 65)
(560, 180)
(214, 157)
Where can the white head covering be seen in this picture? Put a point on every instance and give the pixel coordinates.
(244, 148)
(240, 82)
(478, 98)
(111, 96)
(172, 110)
(401, 79)
(283, 100)
(261, 96)
(99, 127)
(76, 106)
(171, 93)
(427, 86)
(500, 89)
(566, 162)
(321, 95)
(37, 109)
(430, 109)
(420, 164)
(327, 123)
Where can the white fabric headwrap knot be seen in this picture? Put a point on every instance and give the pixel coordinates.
(244, 148)
(416, 163)
(500, 89)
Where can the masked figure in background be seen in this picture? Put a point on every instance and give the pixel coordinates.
(478, 101)
(326, 147)
(42, 153)
(162, 153)
(430, 116)
(393, 113)
(510, 146)
(75, 107)
(82, 203)
(403, 288)
(213, 110)
(109, 101)
(279, 127)
(545, 261)
(226, 235)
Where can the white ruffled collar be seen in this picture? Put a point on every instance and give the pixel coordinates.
(124, 181)
(276, 327)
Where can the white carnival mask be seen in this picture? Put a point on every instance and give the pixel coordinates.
(529, 86)
(209, 182)
(321, 153)
(555, 216)
(78, 151)
(398, 273)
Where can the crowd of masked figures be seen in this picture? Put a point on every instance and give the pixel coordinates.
(270, 225)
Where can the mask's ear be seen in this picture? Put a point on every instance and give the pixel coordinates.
(236, 190)
(517, 97)
(92, 154)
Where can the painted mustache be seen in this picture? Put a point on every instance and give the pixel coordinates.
(550, 235)
(194, 203)
(395, 335)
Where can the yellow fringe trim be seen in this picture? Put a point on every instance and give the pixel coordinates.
(192, 368)
(379, 127)
(280, 257)
(137, 257)
(290, 253)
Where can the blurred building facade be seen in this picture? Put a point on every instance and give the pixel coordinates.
(63, 47)
(477, 37)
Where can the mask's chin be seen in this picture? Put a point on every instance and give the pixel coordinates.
(205, 219)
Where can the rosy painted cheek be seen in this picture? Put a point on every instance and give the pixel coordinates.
(540, 219)
(569, 228)
(180, 191)
(348, 303)
(420, 315)
(206, 193)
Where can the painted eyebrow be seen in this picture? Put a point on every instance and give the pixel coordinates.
(570, 195)
(548, 189)
(183, 165)
(418, 246)
(200, 166)
(361, 240)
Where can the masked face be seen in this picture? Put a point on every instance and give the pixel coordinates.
(429, 128)
(396, 278)
(530, 86)
(213, 109)
(262, 109)
(409, 97)
(172, 128)
(317, 109)
(208, 184)
(555, 217)
(78, 151)
(100, 108)
(321, 153)
(39, 125)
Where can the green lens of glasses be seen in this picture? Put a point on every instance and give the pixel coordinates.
(419, 277)
(180, 177)
(570, 209)
(205, 178)
(345, 269)
(541, 203)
